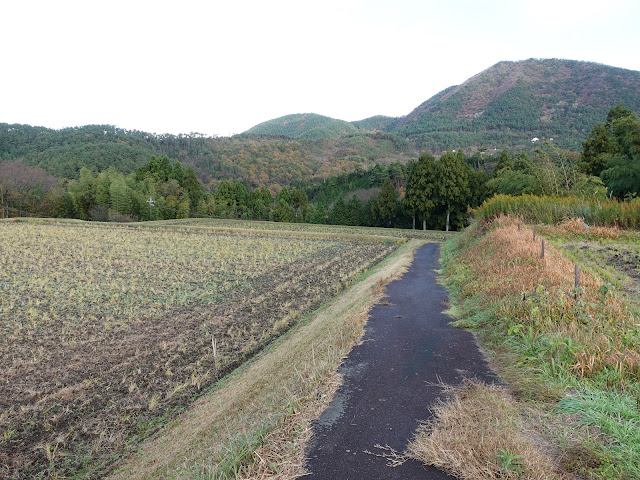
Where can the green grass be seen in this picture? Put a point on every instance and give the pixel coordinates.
(617, 416)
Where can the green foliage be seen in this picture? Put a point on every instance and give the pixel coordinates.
(613, 152)
(616, 414)
(283, 212)
(420, 197)
(509, 460)
(305, 125)
(452, 189)
(387, 204)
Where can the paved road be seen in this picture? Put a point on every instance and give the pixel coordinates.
(391, 379)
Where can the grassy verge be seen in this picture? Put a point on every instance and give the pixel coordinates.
(255, 422)
(571, 358)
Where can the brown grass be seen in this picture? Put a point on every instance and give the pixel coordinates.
(471, 434)
(538, 296)
(285, 387)
(577, 227)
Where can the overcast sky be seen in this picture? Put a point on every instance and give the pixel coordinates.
(221, 67)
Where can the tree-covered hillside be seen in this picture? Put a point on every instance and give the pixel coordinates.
(506, 105)
(303, 125)
(513, 102)
(255, 160)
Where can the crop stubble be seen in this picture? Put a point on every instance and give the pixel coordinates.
(106, 332)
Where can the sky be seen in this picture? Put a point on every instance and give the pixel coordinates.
(219, 68)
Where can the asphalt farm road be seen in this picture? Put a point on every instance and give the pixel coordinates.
(392, 379)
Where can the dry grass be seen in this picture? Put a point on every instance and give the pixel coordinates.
(571, 356)
(479, 433)
(536, 297)
(266, 407)
(577, 227)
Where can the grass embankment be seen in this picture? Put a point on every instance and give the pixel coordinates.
(255, 422)
(571, 357)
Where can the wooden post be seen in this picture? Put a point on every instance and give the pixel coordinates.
(518, 225)
(577, 280)
(542, 251)
(534, 232)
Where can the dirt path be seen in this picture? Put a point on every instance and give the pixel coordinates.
(392, 378)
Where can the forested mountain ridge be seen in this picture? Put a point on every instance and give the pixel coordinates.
(255, 160)
(512, 102)
(314, 126)
(505, 105)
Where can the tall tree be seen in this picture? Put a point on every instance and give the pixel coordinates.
(387, 205)
(452, 187)
(419, 199)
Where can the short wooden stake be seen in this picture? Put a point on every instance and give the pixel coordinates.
(577, 280)
(534, 232)
(518, 225)
(542, 251)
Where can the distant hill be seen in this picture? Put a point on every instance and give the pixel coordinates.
(505, 105)
(304, 125)
(254, 159)
(512, 102)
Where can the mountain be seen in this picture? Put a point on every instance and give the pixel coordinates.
(505, 105)
(512, 102)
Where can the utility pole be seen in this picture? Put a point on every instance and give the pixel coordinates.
(150, 202)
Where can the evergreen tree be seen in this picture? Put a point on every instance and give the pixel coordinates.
(192, 186)
(283, 212)
(338, 214)
(420, 197)
(387, 205)
(177, 173)
(504, 162)
(284, 195)
(300, 204)
(452, 187)
(614, 150)
(66, 207)
(241, 197)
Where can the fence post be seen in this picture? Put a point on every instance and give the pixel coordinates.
(534, 232)
(542, 251)
(577, 280)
